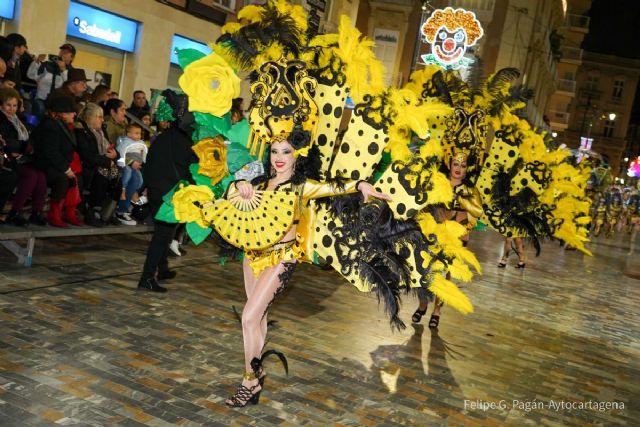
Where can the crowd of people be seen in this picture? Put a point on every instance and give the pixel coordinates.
(77, 150)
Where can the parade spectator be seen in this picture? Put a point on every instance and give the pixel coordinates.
(145, 118)
(54, 149)
(74, 88)
(6, 52)
(50, 73)
(14, 71)
(133, 153)
(100, 174)
(8, 177)
(115, 120)
(31, 181)
(139, 105)
(100, 95)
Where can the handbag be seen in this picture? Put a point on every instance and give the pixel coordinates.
(73, 197)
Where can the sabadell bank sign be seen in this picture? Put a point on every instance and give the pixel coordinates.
(97, 26)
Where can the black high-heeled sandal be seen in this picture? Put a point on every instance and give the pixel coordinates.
(434, 321)
(521, 264)
(245, 395)
(417, 315)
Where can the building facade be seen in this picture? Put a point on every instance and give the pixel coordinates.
(45, 24)
(605, 90)
(569, 37)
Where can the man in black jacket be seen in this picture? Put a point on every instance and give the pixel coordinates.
(167, 163)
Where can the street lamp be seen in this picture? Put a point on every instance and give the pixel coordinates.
(612, 116)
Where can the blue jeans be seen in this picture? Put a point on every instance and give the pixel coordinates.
(131, 182)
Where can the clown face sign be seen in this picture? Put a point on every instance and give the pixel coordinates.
(450, 33)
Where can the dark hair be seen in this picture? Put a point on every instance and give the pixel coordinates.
(135, 92)
(99, 92)
(305, 168)
(133, 126)
(112, 105)
(17, 39)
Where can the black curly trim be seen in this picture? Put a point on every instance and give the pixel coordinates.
(284, 278)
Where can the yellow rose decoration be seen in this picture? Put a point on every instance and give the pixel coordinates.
(183, 203)
(211, 84)
(212, 153)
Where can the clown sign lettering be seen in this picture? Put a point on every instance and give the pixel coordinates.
(450, 33)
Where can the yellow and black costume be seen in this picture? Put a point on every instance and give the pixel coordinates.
(299, 92)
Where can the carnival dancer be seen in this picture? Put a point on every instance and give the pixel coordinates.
(267, 271)
(465, 210)
(633, 215)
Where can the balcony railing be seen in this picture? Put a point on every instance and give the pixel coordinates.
(561, 117)
(578, 22)
(566, 85)
(570, 53)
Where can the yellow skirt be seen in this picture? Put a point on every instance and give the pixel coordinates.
(280, 252)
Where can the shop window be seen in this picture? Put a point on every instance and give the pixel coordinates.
(608, 128)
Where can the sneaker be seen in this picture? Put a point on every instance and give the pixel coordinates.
(125, 219)
(174, 247)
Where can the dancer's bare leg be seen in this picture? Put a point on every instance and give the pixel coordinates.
(520, 249)
(250, 283)
(269, 285)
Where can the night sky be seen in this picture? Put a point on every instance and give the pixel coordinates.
(614, 28)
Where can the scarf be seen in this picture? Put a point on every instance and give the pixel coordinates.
(23, 133)
(102, 142)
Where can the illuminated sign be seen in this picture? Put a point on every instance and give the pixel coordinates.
(180, 42)
(97, 26)
(7, 8)
(450, 33)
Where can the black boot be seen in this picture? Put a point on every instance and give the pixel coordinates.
(16, 218)
(166, 274)
(150, 284)
(37, 218)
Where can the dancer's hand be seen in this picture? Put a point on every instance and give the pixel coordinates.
(367, 191)
(245, 189)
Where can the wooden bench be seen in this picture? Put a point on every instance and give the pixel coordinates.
(9, 235)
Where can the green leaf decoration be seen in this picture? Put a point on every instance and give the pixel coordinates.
(237, 156)
(384, 163)
(187, 56)
(221, 187)
(209, 125)
(197, 234)
(198, 178)
(164, 113)
(239, 133)
(166, 213)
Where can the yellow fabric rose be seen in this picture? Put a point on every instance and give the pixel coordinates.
(211, 85)
(183, 203)
(212, 153)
